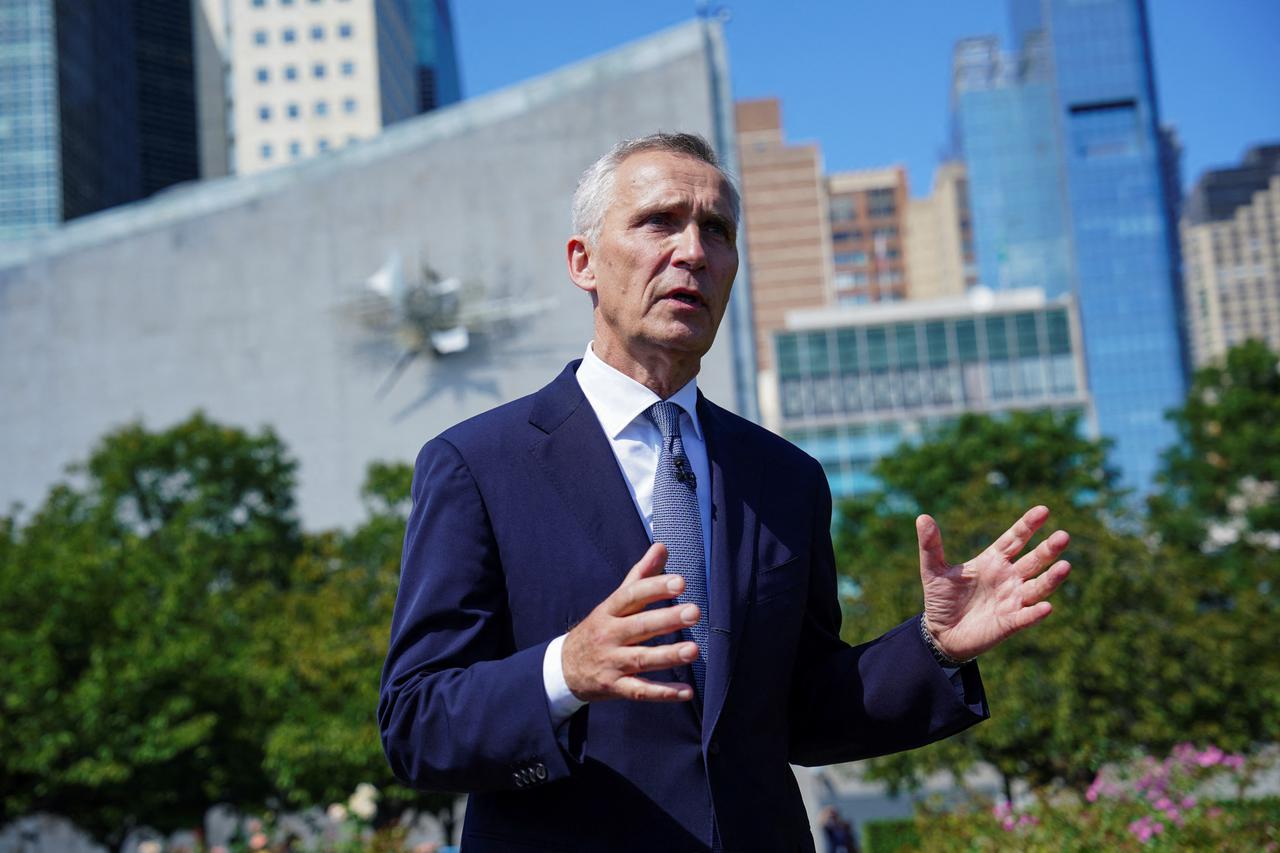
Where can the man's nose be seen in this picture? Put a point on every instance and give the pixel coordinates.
(690, 253)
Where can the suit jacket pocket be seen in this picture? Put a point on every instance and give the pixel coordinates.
(782, 578)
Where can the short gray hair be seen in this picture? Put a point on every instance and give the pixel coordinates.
(595, 187)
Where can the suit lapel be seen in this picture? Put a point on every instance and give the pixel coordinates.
(735, 488)
(576, 457)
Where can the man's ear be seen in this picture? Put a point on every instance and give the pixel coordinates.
(579, 259)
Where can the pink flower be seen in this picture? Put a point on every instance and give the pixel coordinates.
(257, 841)
(1008, 823)
(1210, 757)
(1214, 812)
(1003, 809)
(1188, 802)
(217, 848)
(1163, 803)
(254, 825)
(1028, 820)
(1092, 794)
(1157, 827)
(1141, 829)
(1234, 762)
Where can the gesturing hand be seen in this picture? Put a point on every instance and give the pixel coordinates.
(602, 655)
(971, 607)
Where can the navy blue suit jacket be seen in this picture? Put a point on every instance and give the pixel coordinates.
(521, 524)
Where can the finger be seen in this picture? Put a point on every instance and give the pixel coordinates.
(929, 537)
(647, 566)
(1016, 537)
(637, 595)
(649, 658)
(1028, 616)
(1043, 554)
(644, 690)
(1043, 586)
(648, 624)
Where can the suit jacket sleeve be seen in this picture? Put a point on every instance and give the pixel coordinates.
(883, 696)
(460, 708)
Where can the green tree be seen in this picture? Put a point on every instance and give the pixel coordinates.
(1097, 677)
(1216, 512)
(331, 637)
(128, 696)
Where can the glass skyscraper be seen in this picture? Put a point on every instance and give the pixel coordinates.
(436, 69)
(97, 107)
(1068, 174)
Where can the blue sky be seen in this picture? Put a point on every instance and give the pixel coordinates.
(868, 79)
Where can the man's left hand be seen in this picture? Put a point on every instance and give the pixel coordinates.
(973, 606)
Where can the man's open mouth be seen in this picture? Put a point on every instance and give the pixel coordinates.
(686, 298)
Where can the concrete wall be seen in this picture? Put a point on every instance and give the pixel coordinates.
(237, 296)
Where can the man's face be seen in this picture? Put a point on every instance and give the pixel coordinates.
(665, 258)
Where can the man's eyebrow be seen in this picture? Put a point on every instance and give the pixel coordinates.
(726, 222)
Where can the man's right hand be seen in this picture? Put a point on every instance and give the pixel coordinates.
(602, 654)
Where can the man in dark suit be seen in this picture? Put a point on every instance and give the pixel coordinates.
(536, 660)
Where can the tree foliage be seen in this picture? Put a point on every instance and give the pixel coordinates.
(172, 639)
(1123, 661)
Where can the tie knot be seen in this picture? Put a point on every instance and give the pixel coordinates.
(666, 417)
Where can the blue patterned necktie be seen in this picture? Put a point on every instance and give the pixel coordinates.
(677, 523)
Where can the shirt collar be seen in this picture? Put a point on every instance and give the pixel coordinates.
(618, 399)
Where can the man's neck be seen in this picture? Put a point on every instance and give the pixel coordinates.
(664, 373)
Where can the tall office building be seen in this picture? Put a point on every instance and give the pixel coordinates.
(1231, 255)
(435, 56)
(301, 77)
(939, 237)
(97, 107)
(868, 220)
(1069, 187)
(788, 246)
(857, 381)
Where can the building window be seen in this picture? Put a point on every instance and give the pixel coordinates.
(295, 149)
(291, 110)
(289, 35)
(322, 108)
(344, 31)
(264, 113)
(348, 68)
(317, 33)
(881, 202)
(851, 258)
(322, 144)
(842, 209)
(263, 75)
(349, 105)
(291, 72)
(885, 233)
(258, 4)
(266, 151)
(317, 71)
(286, 2)
(259, 37)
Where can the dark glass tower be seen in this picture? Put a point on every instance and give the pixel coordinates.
(1070, 184)
(436, 68)
(103, 96)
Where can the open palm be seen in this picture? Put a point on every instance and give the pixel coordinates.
(972, 606)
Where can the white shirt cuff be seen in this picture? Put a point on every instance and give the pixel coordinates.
(560, 698)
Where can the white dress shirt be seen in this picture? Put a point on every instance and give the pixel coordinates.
(620, 403)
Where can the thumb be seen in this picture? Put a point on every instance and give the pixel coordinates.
(930, 539)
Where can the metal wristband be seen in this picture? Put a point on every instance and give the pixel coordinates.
(938, 654)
